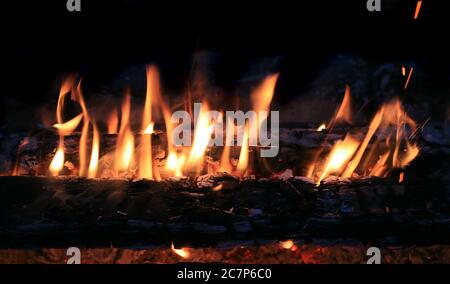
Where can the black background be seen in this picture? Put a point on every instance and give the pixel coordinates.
(42, 41)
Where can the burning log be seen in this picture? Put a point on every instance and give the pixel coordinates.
(202, 211)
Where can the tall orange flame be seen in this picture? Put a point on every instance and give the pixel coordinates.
(57, 163)
(145, 157)
(243, 156)
(93, 164)
(202, 135)
(125, 139)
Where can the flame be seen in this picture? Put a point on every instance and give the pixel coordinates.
(125, 139)
(78, 96)
(68, 127)
(401, 177)
(340, 154)
(403, 71)
(243, 156)
(113, 122)
(225, 164)
(372, 128)
(93, 164)
(321, 127)
(58, 161)
(218, 187)
(145, 157)
(344, 111)
(149, 129)
(416, 12)
(261, 99)
(183, 252)
(202, 135)
(175, 163)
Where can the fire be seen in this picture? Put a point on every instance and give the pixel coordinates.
(243, 156)
(202, 135)
(183, 252)
(225, 164)
(341, 153)
(58, 161)
(68, 127)
(125, 139)
(287, 244)
(175, 163)
(113, 122)
(392, 122)
(401, 177)
(63, 128)
(344, 111)
(78, 96)
(145, 157)
(321, 127)
(93, 164)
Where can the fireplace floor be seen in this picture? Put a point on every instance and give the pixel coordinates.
(306, 253)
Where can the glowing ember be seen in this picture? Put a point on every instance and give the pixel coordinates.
(416, 13)
(289, 244)
(183, 252)
(409, 78)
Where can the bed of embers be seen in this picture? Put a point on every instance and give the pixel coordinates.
(331, 192)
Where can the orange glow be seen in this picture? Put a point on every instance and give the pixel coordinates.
(125, 139)
(403, 71)
(183, 252)
(68, 127)
(340, 154)
(409, 78)
(416, 12)
(113, 122)
(93, 164)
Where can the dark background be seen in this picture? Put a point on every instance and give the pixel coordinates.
(42, 41)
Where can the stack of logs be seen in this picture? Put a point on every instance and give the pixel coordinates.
(204, 210)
